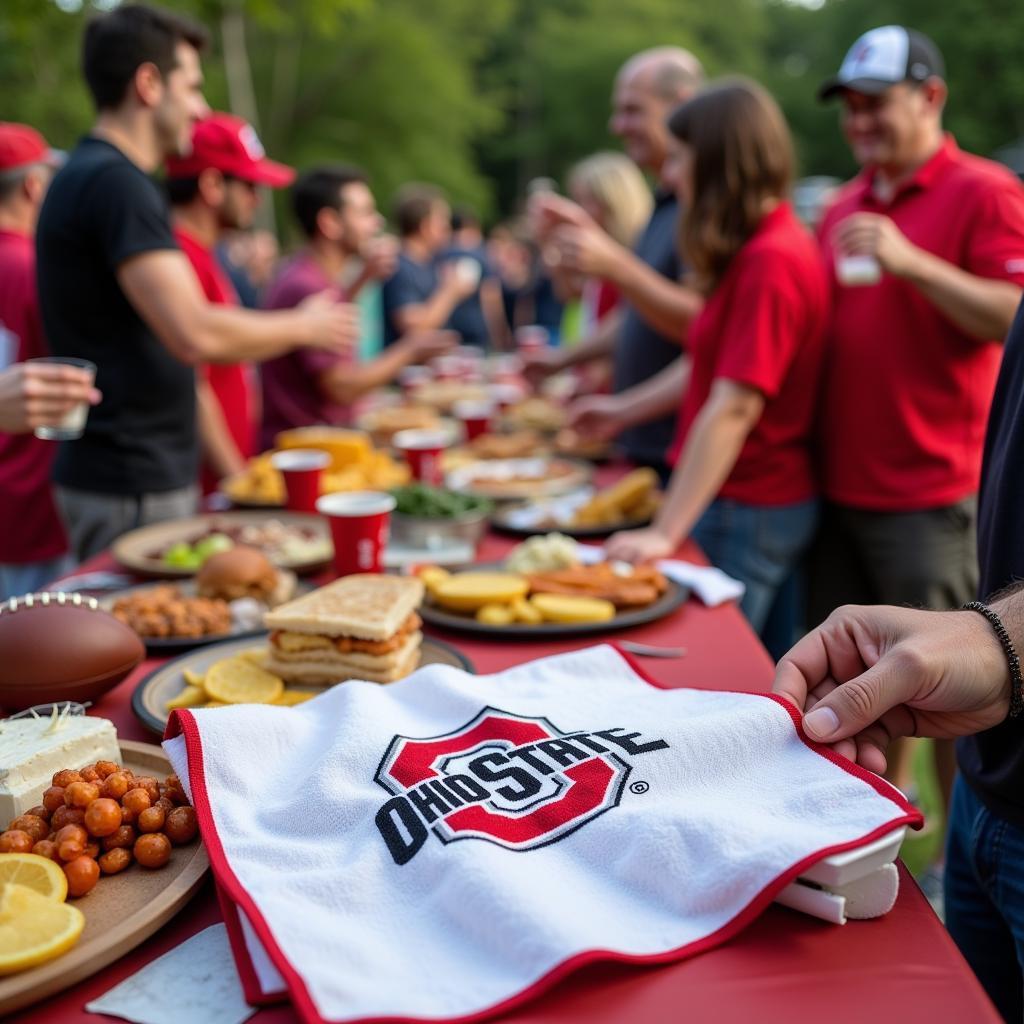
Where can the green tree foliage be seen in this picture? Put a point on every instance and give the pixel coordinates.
(480, 97)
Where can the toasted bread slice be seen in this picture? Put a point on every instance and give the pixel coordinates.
(365, 606)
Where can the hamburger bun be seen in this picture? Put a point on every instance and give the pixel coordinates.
(239, 572)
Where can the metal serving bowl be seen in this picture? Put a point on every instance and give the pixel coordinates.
(435, 532)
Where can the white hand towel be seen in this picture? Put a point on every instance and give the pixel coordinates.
(710, 584)
(448, 845)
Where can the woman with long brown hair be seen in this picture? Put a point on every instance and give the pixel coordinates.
(742, 485)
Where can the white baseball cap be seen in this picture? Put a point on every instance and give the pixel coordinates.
(884, 57)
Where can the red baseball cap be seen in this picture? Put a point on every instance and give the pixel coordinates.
(230, 145)
(21, 146)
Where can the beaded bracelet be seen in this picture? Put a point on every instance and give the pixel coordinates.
(1016, 682)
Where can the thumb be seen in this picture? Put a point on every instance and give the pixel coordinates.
(854, 705)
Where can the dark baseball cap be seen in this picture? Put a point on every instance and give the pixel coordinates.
(884, 57)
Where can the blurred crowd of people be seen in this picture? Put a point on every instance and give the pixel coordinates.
(814, 396)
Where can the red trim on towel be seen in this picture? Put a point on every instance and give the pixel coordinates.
(251, 987)
(183, 722)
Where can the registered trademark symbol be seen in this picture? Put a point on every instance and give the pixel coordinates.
(639, 788)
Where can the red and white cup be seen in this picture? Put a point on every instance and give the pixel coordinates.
(360, 523)
(422, 450)
(302, 469)
(504, 396)
(412, 378)
(475, 417)
(448, 367)
(531, 338)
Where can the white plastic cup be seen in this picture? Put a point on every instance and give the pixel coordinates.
(858, 271)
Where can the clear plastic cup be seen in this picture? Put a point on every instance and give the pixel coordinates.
(72, 423)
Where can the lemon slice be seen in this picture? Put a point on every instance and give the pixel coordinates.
(40, 874)
(192, 678)
(238, 681)
(34, 928)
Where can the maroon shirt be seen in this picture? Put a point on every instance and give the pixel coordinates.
(30, 529)
(292, 396)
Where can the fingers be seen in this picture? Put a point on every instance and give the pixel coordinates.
(50, 390)
(802, 669)
(863, 701)
(620, 546)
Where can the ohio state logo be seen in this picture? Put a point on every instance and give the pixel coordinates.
(508, 779)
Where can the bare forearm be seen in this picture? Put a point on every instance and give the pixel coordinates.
(347, 383)
(1009, 605)
(657, 396)
(599, 344)
(218, 446)
(712, 447)
(494, 314)
(982, 307)
(666, 305)
(429, 315)
(228, 334)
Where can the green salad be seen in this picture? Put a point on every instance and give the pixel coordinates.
(436, 503)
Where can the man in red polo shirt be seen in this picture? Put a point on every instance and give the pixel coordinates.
(214, 190)
(33, 548)
(926, 247)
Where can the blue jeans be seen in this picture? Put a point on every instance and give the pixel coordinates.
(760, 545)
(30, 577)
(984, 888)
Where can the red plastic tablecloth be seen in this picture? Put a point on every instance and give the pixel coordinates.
(784, 968)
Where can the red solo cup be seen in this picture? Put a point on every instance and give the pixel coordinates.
(474, 416)
(360, 522)
(531, 338)
(302, 469)
(412, 378)
(422, 449)
(505, 396)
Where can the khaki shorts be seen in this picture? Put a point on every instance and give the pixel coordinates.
(926, 559)
(94, 521)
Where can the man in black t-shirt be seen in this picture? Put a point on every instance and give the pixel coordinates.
(945, 674)
(115, 289)
(421, 294)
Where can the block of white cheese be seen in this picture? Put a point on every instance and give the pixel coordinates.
(33, 749)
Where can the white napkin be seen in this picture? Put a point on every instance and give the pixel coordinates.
(711, 585)
(195, 982)
(446, 844)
